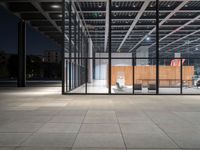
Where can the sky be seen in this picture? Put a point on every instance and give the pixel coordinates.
(36, 42)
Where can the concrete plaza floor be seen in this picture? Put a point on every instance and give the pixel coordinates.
(42, 119)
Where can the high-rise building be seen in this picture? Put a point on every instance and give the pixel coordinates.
(52, 56)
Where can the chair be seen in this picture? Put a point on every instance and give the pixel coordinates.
(138, 87)
(118, 86)
(151, 87)
(198, 83)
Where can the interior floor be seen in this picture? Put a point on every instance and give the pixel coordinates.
(100, 86)
(41, 118)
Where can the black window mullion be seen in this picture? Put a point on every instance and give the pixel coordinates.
(181, 77)
(75, 50)
(70, 51)
(109, 49)
(157, 46)
(133, 72)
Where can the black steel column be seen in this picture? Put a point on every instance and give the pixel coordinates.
(21, 79)
(181, 77)
(75, 50)
(81, 57)
(63, 49)
(81, 48)
(157, 46)
(133, 72)
(87, 59)
(70, 45)
(110, 48)
(79, 53)
(86, 75)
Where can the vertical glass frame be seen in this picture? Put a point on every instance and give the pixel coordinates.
(170, 76)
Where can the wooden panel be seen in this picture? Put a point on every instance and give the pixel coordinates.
(188, 73)
(127, 70)
(145, 75)
(168, 75)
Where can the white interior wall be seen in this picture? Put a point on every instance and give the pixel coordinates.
(101, 65)
(142, 51)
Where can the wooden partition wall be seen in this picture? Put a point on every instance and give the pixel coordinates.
(168, 75)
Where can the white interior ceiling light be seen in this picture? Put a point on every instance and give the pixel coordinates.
(116, 5)
(100, 5)
(148, 38)
(55, 6)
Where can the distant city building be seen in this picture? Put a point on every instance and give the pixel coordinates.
(52, 56)
(41, 57)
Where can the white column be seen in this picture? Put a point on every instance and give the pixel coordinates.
(90, 67)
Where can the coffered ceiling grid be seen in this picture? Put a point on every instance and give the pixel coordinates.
(133, 25)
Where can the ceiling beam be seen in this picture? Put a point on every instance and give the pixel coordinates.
(126, 26)
(144, 6)
(185, 44)
(36, 28)
(46, 15)
(145, 19)
(180, 39)
(82, 21)
(124, 31)
(194, 47)
(103, 20)
(178, 29)
(162, 22)
(126, 0)
(136, 11)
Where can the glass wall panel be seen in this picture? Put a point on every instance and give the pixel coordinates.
(122, 76)
(178, 38)
(133, 28)
(179, 28)
(76, 51)
(98, 77)
(169, 76)
(191, 76)
(79, 80)
(145, 76)
(96, 27)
